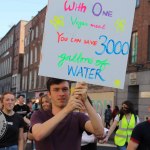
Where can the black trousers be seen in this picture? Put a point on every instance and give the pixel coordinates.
(90, 146)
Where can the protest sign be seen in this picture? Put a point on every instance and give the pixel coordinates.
(87, 40)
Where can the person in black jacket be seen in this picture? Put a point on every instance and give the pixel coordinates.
(22, 109)
(108, 116)
(88, 142)
(140, 138)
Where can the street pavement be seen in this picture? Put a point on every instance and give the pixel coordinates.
(109, 146)
(106, 147)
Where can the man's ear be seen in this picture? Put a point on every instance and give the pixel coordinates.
(49, 94)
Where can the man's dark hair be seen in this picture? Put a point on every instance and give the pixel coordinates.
(108, 106)
(29, 101)
(20, 95)
(52, 81)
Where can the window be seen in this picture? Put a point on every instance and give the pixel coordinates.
(14, 80)
(10, 41)
(45, 80)
(4, 46)
(7, 66)
(42, 27)
(36, 31)
(148, 43)
(31, 55)
(25, 41)
(24, 61)
(39, 81)
(30, 80)
(7, 44)
(27, 57)
(4, 67)
(10, 63)
(0, 49)
(35, 54)
(12, 38)
(23, 82)
(0, 69)
(137, 3)
(134, 47)
(32, 37)
(26, 82)
(28, 39)
(35, 78)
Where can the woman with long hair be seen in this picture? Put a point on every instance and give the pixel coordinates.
(45, 102)
(126, 120)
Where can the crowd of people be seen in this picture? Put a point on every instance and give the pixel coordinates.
(68, 121)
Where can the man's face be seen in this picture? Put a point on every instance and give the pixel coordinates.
(21, 100)
(59, 94)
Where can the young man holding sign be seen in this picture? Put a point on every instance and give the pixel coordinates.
(62, 127)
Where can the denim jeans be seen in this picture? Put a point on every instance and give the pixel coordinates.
(122, 147)
(13, 147)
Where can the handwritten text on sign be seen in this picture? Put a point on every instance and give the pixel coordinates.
(87, 40)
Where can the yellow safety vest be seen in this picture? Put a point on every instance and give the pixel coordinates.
(124, 131)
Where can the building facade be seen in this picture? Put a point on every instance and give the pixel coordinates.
(32, 84)
(18, 53)
(137, 83)
(6, 57)
(11, 52)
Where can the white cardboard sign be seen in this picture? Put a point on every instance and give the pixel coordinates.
(87, 40)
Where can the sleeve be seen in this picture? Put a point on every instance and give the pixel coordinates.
(21, 121)
(136, 134)
(83, 119)
(138, 120)
(28, 109)
(87, 138)
(15, 108)
(36, 118)
(117, 118)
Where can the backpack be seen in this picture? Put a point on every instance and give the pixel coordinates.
(108, 114)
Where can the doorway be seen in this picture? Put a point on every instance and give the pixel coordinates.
(133, 96)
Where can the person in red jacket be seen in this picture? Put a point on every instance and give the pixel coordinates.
(115, 112)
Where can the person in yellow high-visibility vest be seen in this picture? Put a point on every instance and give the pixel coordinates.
(126, 120)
